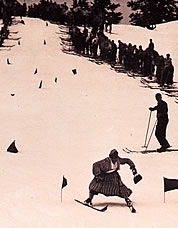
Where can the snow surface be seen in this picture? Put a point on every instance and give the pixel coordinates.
(62, 128)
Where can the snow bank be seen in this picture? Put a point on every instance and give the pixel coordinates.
(62, 128)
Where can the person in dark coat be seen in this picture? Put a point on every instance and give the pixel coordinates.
(113, 54)
(162, 121)
(160, 70)
(151, 45)
(168, 71)
(107, 180)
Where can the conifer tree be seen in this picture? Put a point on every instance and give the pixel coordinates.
(148, 13)
(101, 8)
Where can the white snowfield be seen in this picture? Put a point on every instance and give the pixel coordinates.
(64, 127)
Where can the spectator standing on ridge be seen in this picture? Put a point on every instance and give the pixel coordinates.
(113, 52)
(168, 71)
(151, 45)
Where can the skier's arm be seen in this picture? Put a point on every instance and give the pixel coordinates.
(130, 163)
(153, 108)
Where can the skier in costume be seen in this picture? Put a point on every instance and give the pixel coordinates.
(162, 121)
(107, 180)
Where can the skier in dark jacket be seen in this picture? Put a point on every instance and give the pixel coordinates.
(107, 180)
(162, 121)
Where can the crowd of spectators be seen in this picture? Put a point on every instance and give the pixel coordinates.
(4, 32)
(148, 63)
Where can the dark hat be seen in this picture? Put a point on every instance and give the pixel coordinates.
(113, 153)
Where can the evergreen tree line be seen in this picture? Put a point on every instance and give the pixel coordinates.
(80, 13)
(145, 13)
(148, 13)
(9, 8)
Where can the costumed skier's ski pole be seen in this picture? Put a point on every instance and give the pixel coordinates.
(150, 136)
(147, 129)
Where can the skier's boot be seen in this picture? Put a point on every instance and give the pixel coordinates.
(128, 202)
(88, 201)
(130, 205)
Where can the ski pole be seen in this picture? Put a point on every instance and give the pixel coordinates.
(147, 129)
(150, 136)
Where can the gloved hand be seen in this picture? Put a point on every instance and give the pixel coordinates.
(134, 171)
(151, 109)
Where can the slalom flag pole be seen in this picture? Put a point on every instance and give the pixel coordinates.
(61, 195)
(64, 183)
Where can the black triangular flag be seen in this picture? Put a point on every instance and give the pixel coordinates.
(46, 23)
(55, 80)
(36, 71)
(19, 42)
(44, 42)
(64, 182)
(74, 71)
(8, 62)
(170, 184)
(12, 148)
(40, 86)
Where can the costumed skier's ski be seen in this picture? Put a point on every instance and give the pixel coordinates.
(97, 209)
(145, 151)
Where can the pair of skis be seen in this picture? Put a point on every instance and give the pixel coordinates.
(146, 151)
(131, 207)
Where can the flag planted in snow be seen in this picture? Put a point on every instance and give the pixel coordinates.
(40, 85)
(36, 71)
(8, 61)
(64, 182)
(74, 71)
(12, 148)
(170, 184)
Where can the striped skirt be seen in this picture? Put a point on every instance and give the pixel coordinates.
(110, 185)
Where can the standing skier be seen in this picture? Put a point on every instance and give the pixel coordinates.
(162, 121)
(107, 180)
